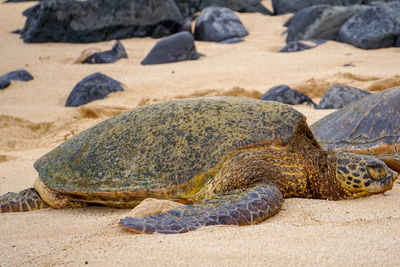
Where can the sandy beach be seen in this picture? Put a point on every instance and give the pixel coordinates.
(33, 120)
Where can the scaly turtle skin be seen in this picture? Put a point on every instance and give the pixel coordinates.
(370, 126)
(234, 158)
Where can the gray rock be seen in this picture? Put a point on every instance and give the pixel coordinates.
(320, 22)
(237, 5)
(99, 20)
(177, 47)
(216, 24)
(116, 53)
(190, 7)
(18, 75)
(296, 46)
(93, 87)
(338, 96)
(284, 94)
(291, 6)
(375, 27)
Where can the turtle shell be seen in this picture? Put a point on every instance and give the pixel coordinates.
(369, 126)
(162, 145)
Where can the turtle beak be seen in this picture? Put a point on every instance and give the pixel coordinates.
(395, 175)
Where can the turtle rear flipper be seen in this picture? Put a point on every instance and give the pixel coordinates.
(240, 207)
(25, 200)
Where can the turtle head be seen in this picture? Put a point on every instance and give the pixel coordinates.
(362, 175)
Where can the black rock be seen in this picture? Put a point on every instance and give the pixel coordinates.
(4, 83)
(350, 64)
(187, 24)
(284, 94)
(31, 10)
(237, 5)
(260, 8)
(93, 87)
(295, 46)
(397, 44)
(116, 53)
(375, 27)
(338, 96)
(18, 75)
(190, 7)
(99, 20)
(320, 22)
(216, 24)
(291, 6)
(232, 41)
(12, 1)
(177, 47)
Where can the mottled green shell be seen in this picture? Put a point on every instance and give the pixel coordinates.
(369, 126)
(162, 145)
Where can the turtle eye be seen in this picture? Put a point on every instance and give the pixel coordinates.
(376, 171)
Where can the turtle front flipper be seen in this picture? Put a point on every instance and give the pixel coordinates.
(240, 207)
(25, 200)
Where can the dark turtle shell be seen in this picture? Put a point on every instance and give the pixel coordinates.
(369, 126)
(158, 146)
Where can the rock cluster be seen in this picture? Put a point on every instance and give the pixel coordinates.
(91, 20)
(335, 97)
(366, 27)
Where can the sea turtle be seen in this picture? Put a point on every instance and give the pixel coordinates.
(370, 126)
(234, 158)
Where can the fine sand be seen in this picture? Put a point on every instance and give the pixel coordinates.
(33, 120)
